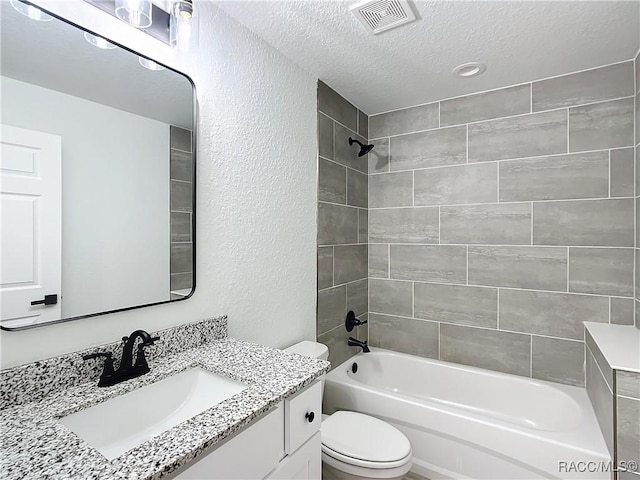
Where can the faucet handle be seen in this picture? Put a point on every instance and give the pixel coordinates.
(108, 373)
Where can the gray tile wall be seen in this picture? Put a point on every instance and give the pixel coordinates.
(500, 221)
(636, 154)
(343, 202)
(181, 174)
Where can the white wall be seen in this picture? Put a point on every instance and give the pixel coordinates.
(115, 197)
(257, 192)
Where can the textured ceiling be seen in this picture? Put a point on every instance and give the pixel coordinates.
(55, 55)
(519, 41)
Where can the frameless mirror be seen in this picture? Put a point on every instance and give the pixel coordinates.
(97, 171)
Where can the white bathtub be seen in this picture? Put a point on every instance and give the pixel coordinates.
(466, 422)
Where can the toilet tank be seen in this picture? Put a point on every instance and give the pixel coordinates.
(311, 349)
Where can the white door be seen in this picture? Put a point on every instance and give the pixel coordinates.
(30, 218)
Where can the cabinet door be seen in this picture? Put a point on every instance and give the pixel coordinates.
(303, 416)
(251, 454)
(304, 464)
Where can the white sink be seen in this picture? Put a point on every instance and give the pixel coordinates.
(122, 423)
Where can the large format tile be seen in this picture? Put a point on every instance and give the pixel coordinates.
(379, 156)
(346, 154)
(325, 136)
(429, 263)
(557, 360)
(541, 268)
(358, 297)
(332, 182)
(435, 148)
(332, 304)
(558, 177)
(628, 429)
(337, 224)
(403, 225)
(357, 188)
(337, 107)
(363, 124)
(350, 263)
(180, 227)
(604, 83)
(602, 271)
(180, 138)
(601, 400)
(181, 164)
(497, 224)
(181, 281)
(379, 260)
(181, 258)
(524, 136)
(325, 267)
(483, 106)
(491, 349)
(457, 185)
(621, 311)
(391, 296)
(458, 304)
(406, 120)
(622, 174)
(601, 125)
(584, 222)
(336, 342)
(363, 225)
(553, 314)
(628, 384)
(391, 190)
(406, 335)
(181, 196)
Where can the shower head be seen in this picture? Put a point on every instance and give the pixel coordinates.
(364, 149)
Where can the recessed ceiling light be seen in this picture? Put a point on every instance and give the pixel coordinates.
(150, 64)
(30, 11)
(99, 42)
(472, 69)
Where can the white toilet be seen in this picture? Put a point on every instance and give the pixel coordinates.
(354, 445)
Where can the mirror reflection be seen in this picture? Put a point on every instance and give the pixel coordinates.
(96, 175)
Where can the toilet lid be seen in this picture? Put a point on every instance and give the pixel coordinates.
(362, 437)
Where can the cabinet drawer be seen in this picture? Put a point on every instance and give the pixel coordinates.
(302, 417)
(252, 453)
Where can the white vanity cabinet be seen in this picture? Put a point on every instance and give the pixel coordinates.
(283, 444)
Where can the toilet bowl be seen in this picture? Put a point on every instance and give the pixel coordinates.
(357, 446)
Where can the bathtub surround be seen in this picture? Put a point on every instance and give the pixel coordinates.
(613, 386)
(502, 220)
(254, 255)
(36, 445)
(181, 173)
(342, 222)
(637, 184)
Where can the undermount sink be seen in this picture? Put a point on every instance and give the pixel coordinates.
(124, 422)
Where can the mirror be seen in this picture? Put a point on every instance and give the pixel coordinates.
(97, 171)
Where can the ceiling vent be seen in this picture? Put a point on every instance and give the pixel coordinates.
(381, 15)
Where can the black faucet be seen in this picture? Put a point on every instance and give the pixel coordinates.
(127, 368)
(357, 343)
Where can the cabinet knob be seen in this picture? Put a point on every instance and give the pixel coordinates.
(310, 416)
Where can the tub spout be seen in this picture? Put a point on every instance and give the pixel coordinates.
(357, 343)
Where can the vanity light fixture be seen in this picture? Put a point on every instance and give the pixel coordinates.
(30, 11)
(471, 69)
(136, 13)
(170, 21)
(99, 42)
(150, 64)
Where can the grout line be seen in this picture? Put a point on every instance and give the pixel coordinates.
(413, 299)
(498, 309)
(609, 182)
(610, 306)
(531, 97)
(531, 223)
(333, 265)
(347, 167)
(439, 340)
(389, 261)
(568, 129)
(568, 263)
(439, 115)
(530, 356)
(467, 140)
(483, 245)
(503, 88)
(413, 188)
(467, 265)
(439, 227)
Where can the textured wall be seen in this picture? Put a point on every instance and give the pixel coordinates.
(342, 222)
(501, 221)
(256, 200)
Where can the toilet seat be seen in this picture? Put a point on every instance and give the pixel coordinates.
(363, 441)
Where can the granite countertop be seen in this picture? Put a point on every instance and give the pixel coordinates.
(35, 445)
